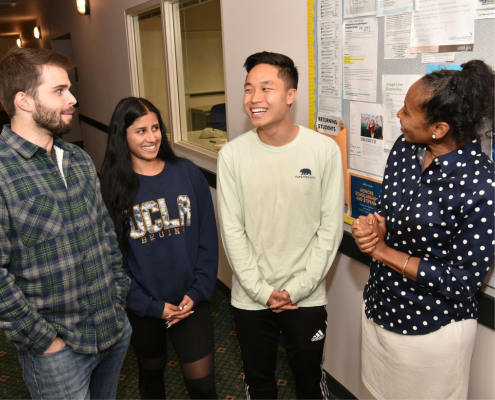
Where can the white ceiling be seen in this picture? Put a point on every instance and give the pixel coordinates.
(14, 12)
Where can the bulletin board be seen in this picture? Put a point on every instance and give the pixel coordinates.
(484, 49)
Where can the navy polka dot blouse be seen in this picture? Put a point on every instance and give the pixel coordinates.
(444, 216)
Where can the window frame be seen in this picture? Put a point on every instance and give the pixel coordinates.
(174, 73)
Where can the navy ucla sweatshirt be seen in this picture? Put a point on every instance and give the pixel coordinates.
(173, 240)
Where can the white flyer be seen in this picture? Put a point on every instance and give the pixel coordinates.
(435, 58)
(359, 8)
(448, 24)
(366, 144)
(397, 36)
(330, 57)
(394, 90)
(330, 8)
(485, 9)
(388, 7)
(360, 58)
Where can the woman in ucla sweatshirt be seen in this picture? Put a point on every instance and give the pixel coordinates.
(163, 214)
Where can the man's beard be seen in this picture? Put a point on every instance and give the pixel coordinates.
(51, 120)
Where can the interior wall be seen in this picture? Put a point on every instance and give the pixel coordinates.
(6, 43)
(345, 283)
(259, 25)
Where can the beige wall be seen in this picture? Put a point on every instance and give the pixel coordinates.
(257, 25)
(345, 284)
(100, 51)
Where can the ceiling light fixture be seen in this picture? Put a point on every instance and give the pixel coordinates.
(82, 7)
(19, 42)
(37, 32)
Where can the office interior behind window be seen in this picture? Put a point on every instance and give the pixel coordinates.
(200, 72)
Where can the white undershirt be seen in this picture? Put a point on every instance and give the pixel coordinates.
(59, 153)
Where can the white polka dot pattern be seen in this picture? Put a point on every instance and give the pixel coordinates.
(446, 218)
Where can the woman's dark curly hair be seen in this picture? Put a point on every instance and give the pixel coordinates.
(463, 99)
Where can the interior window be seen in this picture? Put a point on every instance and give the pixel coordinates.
(200, 74)
(150, 62)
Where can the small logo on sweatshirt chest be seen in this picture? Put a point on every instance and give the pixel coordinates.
(305, 173)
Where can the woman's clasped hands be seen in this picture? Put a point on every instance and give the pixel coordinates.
(174, 314)
(369, 233)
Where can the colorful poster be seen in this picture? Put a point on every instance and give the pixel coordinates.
(366, 145)
(432, 68)
(364, 194)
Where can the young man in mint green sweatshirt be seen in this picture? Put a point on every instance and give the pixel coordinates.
(281, 207)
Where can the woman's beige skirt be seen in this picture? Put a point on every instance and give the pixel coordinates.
(432, 366)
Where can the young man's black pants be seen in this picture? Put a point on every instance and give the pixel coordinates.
(303, 332)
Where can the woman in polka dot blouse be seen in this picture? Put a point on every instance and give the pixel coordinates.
(431, 240)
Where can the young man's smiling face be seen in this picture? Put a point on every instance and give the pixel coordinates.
(267, 98)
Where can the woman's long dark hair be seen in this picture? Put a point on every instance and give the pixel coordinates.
(119, 183)
(464, 99)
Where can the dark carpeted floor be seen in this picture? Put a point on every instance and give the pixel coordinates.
(228, 365)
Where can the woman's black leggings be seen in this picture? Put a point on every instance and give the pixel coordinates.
(193, 342)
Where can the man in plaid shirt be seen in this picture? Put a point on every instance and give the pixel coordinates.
(62, 286)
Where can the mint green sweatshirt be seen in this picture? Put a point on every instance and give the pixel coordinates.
(281, 212)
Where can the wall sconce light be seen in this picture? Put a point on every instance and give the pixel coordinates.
(37, 32)
(82, 7)
(19, 42)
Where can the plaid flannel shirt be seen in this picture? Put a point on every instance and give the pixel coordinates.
(60, 265)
